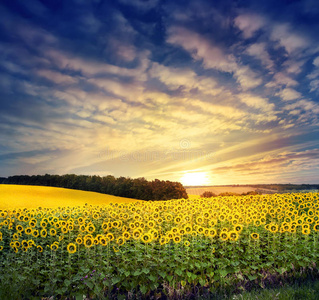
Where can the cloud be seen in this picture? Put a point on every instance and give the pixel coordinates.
(288, 94)
(305, 105)
(291, 41)
(257, 102)
(280, 79)
(282, 162)
(56, 77)
(258, 50)
(91, 67)
(141, 4)
(249, 23)
(202, 49)
(213, 56)
(247, 78)
(185, 79)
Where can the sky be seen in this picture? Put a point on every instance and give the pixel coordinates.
(223, 91)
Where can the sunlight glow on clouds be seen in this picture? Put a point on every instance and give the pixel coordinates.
(152, 89)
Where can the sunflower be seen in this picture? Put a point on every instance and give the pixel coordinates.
(151, 224)
(54, 246)
(79, 240)
(52, 232)
(35, 233)
(90, 228)
(146, 238)
(120, 241)
(103, 241)
(32, 222)
(178, 219)
(187, 243)
(177, 239)
(224, 236)
(19, 228)
(170, 235)
(126, 235)
(199, 220)
(71, 248)
(233, 235)
(40, 248)
(154, 234)
(175, 230)
(163, 241)
(238, 228)
(136, 234)
(212, 232)
(88, 241)
(110, 236)
(104, 226)
(273, 228)
(28, 230)
(200, 230)
(169, 217)
(254, 236)
(194, 233)
(306, 231)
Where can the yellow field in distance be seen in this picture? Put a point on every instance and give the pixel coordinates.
(16, 196)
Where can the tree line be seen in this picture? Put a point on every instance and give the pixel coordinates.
(138, 188)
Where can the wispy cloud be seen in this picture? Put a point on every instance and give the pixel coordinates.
(155, 89)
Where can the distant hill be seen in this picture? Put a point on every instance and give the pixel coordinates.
(26, 196)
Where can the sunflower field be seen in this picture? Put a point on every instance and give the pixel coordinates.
(158, 248)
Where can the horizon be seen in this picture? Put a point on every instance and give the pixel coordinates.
(185, 91)
(185, 186)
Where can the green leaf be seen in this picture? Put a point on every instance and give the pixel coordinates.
(179, 272)
(202, 281)
(145, 270)
(194, 276)
(162, 274)
(90, 284)
(152, 277)
(137, 272)
(239, 276)
(67, 282)
(127, 273)
(282, 270)
(252, 277)
(169, 277)
(115, 280)
(235, 263)
(143, 289)
(223, 273)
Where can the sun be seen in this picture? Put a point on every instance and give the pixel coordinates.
(195, 178)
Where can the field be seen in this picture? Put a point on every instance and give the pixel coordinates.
(17, 196)
(223, 189)
(176, 249)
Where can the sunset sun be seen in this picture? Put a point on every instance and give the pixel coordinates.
(195, 178)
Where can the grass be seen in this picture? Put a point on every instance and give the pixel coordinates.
(16, 196)
(308, 290)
